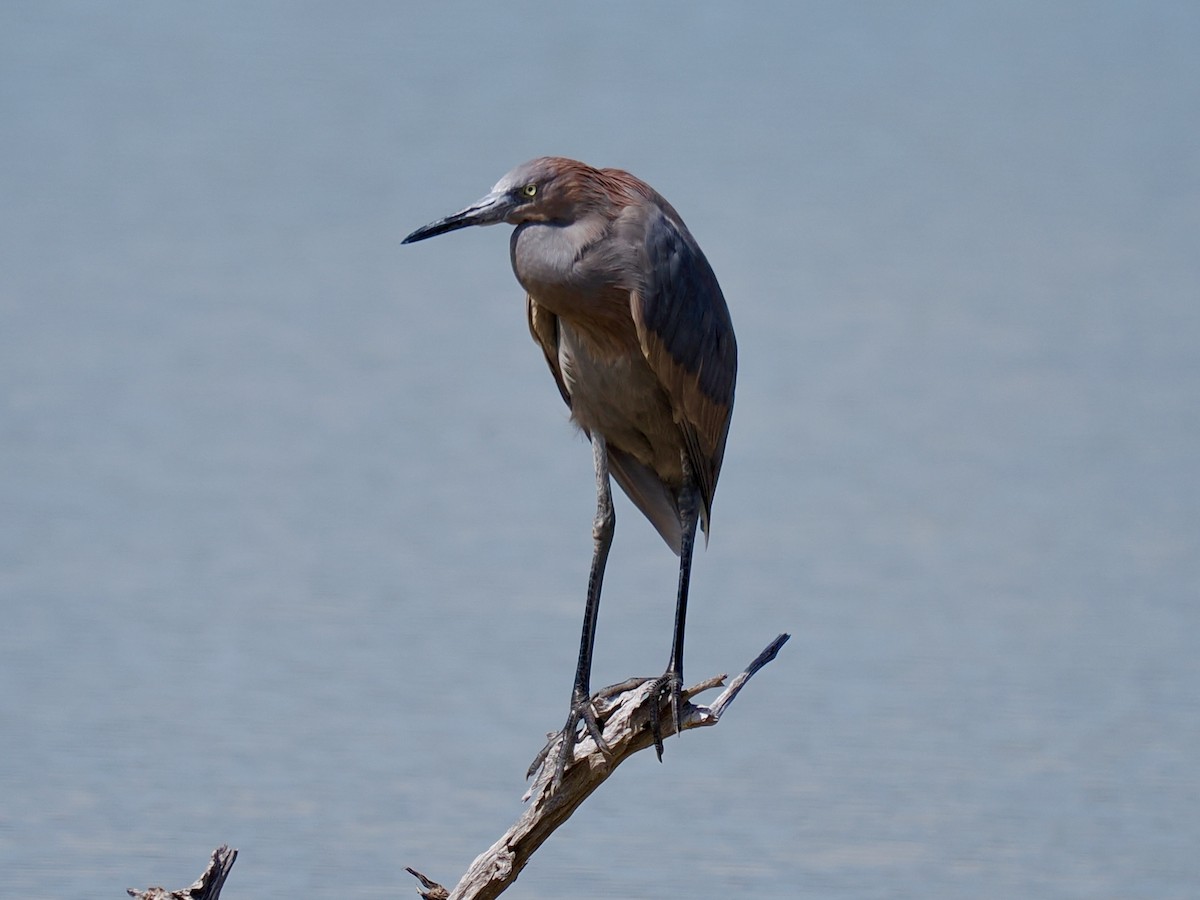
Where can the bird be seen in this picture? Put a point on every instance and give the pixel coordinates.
(637, 335)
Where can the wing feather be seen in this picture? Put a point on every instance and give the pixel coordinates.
(543, 325)
(686, 334)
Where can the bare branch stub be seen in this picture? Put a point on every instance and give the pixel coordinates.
(624, 719)
(206, 887)
(433, 890)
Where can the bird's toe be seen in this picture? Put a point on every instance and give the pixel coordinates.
(561, 745)
(668, 690)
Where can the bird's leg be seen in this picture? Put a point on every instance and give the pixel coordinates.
(582, 708)
(671, 682)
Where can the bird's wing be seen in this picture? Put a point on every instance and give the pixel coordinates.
(686, 333)
(543, 325)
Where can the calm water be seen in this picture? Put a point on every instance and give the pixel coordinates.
(294, 534)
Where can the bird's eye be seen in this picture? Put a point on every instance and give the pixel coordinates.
(529, 190)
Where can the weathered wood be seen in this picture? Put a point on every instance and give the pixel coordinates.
(624, 714)
(624, 717)
(207, 886)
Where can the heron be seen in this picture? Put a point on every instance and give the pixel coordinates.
(634, 327)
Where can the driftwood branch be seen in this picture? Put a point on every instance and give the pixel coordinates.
(625, 716)
(624, 713)
(207, 886)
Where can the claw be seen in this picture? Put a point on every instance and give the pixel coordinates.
(536, 765)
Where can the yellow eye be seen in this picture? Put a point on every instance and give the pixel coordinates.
(529, 190)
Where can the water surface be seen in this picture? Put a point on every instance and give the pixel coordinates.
(294, 534)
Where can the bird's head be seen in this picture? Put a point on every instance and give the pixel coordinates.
(550, 188)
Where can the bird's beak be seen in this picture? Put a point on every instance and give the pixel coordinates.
(487, 211)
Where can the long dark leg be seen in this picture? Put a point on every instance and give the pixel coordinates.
(672, 679)
(603, 527)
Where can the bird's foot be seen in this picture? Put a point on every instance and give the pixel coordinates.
(562, 743)
(668, 689)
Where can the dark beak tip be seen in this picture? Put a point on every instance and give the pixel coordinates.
(425, 231)
(442, 226)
